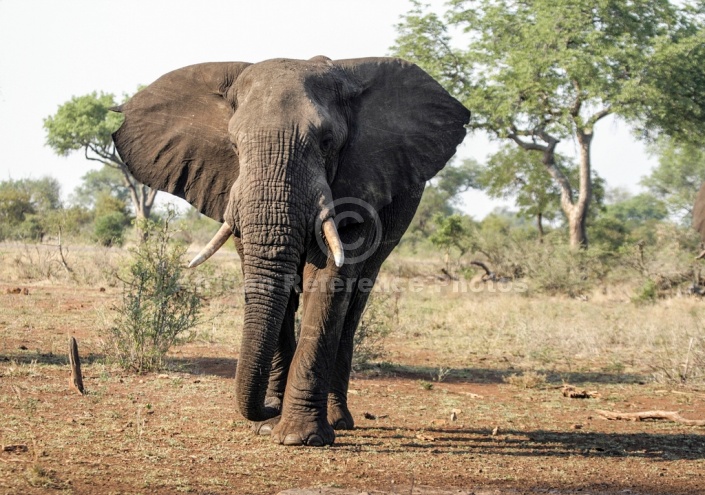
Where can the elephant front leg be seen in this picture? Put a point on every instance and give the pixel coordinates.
(280, 368)
(304, 419)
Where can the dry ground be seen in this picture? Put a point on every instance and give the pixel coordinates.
(468, 396)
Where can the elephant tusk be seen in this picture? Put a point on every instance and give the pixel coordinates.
(330, 233)
(216, 243)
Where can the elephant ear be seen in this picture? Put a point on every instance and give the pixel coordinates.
(699, 212)
(404, 129)
(175, 135)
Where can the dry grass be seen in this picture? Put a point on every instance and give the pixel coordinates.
(480, 357)
(528, 379)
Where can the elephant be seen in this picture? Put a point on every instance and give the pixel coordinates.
(315, 168)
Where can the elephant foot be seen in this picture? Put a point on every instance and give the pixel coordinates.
(339, 416)
(265, 428)
(295, 431)
(273, 405)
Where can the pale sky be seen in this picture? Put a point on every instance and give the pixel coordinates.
(53, 50)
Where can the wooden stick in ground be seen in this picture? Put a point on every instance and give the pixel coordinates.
(641, 416)
(76, 380)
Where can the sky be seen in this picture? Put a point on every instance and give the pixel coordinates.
(53, 50)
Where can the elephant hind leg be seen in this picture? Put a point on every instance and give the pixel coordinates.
(339, 416)
(395, 219)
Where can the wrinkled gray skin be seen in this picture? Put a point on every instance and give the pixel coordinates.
(266, 147)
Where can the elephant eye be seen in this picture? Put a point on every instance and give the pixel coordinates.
(326, 143)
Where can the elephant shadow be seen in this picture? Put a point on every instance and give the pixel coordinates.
(491, 375)
(225, 367)
(534, 443)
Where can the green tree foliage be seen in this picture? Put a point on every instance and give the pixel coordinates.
(111, 220)
(99, 182)
(442, 195)
(86, 123)
(28, 206)
(453, 232)
(678, 176)
(109, 229)
(540, 71)
(628, 219)
(673, 84)
(511, 172)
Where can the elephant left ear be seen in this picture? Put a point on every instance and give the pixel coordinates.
(404, 129)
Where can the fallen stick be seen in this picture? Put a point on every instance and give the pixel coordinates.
(641, 416)
(76, 380)
(574, 393)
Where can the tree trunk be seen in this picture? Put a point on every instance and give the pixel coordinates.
(539, 225)
(577, 218)
(576, 228)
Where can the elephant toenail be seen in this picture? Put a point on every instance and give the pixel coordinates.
(292, 439)
(265, 430)
(315, 441)
(341, 424)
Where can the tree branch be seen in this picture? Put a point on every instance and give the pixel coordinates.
(549, 160)
(99, 160)
(644, 415)
(578, 103)
(527, 145)
(599, 116)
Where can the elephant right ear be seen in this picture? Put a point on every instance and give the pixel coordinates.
(175, 135)
(699, 212)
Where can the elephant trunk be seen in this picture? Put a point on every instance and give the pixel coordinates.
(267, 292)
(274, 226)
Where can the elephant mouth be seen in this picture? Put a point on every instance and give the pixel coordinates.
(328, 231)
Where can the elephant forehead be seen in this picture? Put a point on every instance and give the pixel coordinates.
(285, 81)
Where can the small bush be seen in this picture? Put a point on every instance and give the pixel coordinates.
(646, 294)
(681, 359)
(376, 323)
(109, 229)
(160, 303)
(528, 379)
(555, 268)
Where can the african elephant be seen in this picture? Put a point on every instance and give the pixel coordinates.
(316, 168)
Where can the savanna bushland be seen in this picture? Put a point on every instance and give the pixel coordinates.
(492, 348)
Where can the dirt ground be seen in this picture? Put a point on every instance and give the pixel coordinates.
(462, 428)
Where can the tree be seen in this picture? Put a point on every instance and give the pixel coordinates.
(627, 217)
(86, 123)
(511, 172)
(538, 72)
(27, 207)
(678, 176)
(442, 195)
(106, 180)
(453, 231)
(674, 86)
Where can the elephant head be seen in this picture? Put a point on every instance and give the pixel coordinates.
(267, 147)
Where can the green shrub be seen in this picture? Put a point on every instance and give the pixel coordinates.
(554, 268)
(160, 302)
(647, 293)
(109, 229)
(376, 323)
